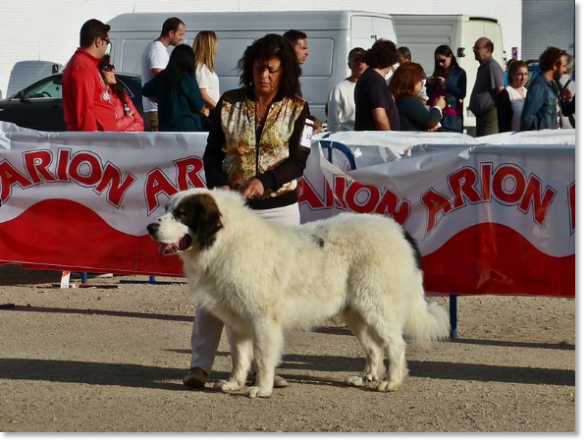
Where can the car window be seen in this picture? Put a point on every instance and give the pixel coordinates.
(131, 83)
(49, 88)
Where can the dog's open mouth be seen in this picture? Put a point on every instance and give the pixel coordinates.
(174, 248)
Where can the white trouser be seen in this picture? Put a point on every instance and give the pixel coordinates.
(207, 329)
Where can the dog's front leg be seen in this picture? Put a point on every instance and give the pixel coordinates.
(241, 350)
(268, 344)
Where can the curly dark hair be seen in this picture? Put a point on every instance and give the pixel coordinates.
(268, 47)
(549, 58)
(405, 78)
(382, 54)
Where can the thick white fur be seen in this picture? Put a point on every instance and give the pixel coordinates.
(261, 278)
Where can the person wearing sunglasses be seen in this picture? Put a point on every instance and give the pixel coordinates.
(489, 83)
(128, 119)
(449, 81)
(86, 101)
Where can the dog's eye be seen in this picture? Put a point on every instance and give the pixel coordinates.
(179, 212)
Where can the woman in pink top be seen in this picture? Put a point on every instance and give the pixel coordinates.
(128, 119)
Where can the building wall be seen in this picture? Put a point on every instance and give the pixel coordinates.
(35, 35)
(554, 19)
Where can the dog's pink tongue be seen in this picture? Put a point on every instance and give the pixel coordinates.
(166, 249)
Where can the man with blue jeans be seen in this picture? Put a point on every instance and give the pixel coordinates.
(540, 110)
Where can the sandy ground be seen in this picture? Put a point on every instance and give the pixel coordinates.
(112, 359)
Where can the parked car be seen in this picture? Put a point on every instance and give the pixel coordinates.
(40, 105)
(533, 68)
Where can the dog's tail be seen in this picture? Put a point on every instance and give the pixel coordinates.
(426, 322)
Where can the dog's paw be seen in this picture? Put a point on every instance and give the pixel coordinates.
(227, 385)
(361, 380)
(355, 381)
(255, 391)
(387, 386)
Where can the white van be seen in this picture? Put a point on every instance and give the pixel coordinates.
(422, 34)
(330, 35)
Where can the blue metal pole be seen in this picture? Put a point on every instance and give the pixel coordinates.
(453, 316)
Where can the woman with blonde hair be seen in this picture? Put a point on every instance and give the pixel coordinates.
(205, 47)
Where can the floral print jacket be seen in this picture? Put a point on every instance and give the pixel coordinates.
(238, 149)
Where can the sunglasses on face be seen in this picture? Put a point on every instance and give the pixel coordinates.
(109, 68)
(271, 69)
(441, 61)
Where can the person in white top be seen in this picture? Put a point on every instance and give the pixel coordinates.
(155, 58)
(510, 101)
(205, 47)
(340, 108)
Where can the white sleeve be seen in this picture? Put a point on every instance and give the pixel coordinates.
(158, 58)
(334, 111)
(202, 77)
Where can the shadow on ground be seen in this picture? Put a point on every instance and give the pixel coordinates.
(170, 378)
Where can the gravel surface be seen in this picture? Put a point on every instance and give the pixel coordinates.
(112, 359)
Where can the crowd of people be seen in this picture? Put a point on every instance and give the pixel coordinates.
(259, 134)
(402, 98)
(386, 89)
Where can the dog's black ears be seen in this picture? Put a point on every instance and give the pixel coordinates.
(201, 213)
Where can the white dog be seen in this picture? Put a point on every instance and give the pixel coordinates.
(261, 278)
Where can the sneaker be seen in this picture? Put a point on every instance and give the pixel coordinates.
(280, 382)
(196, 378)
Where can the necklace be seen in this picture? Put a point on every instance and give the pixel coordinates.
(260, 116)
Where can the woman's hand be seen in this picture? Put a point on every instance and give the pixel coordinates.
(252, 188)
(440, 102)
(440, 80)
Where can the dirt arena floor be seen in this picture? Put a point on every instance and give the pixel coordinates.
(112, 360)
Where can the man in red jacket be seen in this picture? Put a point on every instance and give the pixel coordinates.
(86, 98)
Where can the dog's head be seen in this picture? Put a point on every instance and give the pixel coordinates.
(192, 220)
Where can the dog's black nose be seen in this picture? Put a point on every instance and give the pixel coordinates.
(152, 228)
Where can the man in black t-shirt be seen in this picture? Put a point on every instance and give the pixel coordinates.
(375, 108)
